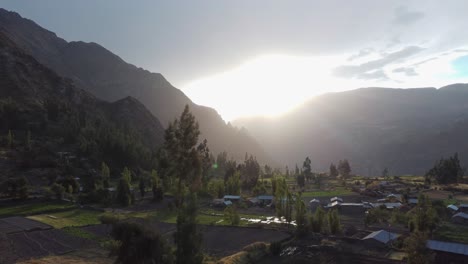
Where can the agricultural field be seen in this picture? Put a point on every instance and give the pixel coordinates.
(34, 208)
(452, 232)
(75, 217)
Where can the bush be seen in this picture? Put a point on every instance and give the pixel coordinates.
(108, 219)
(275, 248)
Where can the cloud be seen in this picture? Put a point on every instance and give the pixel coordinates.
(373, 70)
(406, 71)
(403, 16)
(362, 53)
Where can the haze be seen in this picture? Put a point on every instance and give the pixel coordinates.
(248, 58)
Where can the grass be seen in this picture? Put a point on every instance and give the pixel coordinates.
(337, 192)
(77, 232)
(452, 232)
(76, 217)
(35, 208)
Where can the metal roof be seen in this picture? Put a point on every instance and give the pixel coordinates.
(463, 206)
(453, 207)
(314, 201)
(382, 236)
(336, 199)
(265, 197)
(227, 203)
(462, 215)
(412, 201)
(450, 247)
(234, 197)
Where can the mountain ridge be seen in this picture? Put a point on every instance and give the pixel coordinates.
(107, 76)
(374, 128)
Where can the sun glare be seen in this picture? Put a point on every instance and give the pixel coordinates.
(268, 85)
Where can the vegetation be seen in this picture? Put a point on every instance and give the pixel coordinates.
(446, 171)
(34, 208)
(138, 244)
(76, 217)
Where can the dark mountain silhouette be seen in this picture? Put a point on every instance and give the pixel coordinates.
(104, 74)
(61, 117)
(406, 130)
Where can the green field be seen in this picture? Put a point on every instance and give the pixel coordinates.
(452, 232)
(35, 208)
(76, 217)
(337, 192)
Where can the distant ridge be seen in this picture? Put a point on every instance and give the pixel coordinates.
(405, 130)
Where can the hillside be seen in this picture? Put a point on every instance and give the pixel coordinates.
(406, 130)
(105, 75)
(48, 115)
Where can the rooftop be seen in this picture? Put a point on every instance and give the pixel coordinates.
(462, 215)
(265, 197)
(453, 207)
(382, 236)
(450, 247)
(234, 197)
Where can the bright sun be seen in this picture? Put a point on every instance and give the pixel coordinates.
(268, 85)
(271, 85)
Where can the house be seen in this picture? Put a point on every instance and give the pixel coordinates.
(336, 199)
(448, 252)
(265, 199)
(387, 205)
(452, 208)
(380, 238)
(232, 198)
(253, 201)
(460, 218)
(394, 197)
(314, 204)
(412, 201)
(463, 208)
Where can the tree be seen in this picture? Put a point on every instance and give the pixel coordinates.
(187, 237)
(301, 220)
(231, 215)
(385, 174)
(446, 171)
(139, 245)
(156, 186)
(416, 249)
(58, 190)
(233, 185)
(142, 186)
(206, 161)
(10, 139)
(127, 175)
(124, 197)
(300, 180)
(344, 168)
(333, 222)
(317, 222)
(307, 169)
(185, 165)
(105, 175)
(250, 172)
(333, 171)
(22, 188)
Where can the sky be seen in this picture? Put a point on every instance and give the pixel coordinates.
(247, 58)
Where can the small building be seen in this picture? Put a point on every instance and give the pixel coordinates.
(460, 218)
(253, 201)
(412, 201)
(336, 199)
(463, 208)
(394, 197)
(265, 199)
(448, 252)
(232, 198)
(452, 208)
(380, 238)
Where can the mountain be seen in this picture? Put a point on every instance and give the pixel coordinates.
(39, 106)
(406, 130)
(104, 74)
